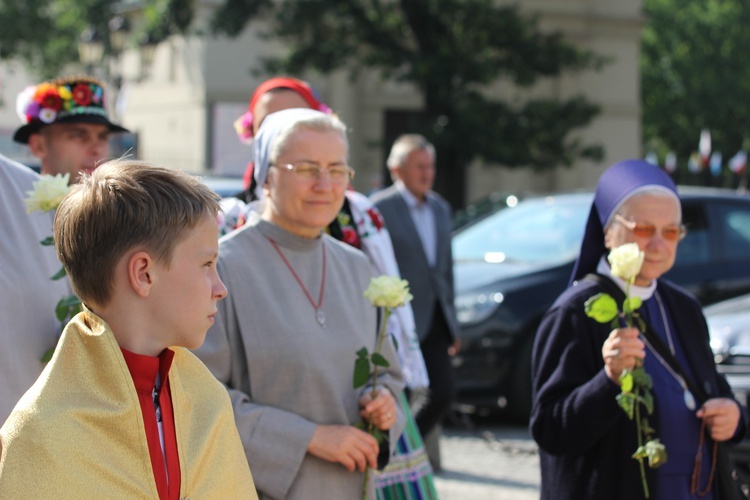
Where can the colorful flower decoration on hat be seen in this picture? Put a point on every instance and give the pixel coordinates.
(50, 101)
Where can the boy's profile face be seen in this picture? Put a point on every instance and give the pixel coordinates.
(185, 293)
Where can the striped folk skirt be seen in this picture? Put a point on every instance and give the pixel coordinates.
(408, 475)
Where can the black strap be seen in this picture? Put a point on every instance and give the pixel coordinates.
(656, 342)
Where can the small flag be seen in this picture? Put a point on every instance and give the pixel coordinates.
(716, 163)
(694, 163)
(652, 158)
(670, 162)
(704, 147)
(738, 162)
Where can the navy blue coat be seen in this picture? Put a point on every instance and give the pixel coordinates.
(585, 439)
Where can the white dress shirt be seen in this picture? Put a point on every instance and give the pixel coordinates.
(424, 220)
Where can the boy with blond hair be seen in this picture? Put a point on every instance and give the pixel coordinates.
(123, 409)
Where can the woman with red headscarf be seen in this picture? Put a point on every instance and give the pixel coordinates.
(409, 473)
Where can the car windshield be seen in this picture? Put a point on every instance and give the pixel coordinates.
(538, 230)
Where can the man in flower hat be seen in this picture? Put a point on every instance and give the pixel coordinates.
(28, 326)
(65, 124)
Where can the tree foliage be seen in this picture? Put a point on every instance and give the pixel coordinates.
(45, 33)
(452, 50)
(695, 73)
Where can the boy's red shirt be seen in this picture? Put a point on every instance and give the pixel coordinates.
(166, 465)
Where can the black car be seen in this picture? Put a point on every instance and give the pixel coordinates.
(729, 326)
(511, 265)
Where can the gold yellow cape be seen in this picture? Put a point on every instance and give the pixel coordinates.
(79, 433)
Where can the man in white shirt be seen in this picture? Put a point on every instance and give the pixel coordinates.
(28, 327)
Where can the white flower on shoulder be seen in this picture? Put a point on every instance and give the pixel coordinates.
(626, 261)
(48, 192)
(388, 291)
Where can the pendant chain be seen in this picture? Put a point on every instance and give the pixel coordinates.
(321, 294)
(656, 354)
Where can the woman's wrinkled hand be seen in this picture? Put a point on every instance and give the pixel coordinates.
(721, 415)
(382, 409)
(620, 351)
(347, 445)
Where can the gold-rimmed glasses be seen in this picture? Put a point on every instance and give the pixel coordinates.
(310, 171)
(674, 232)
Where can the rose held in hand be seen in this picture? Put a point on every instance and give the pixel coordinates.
(626, 261)
(388, 291)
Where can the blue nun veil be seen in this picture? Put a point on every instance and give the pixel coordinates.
(273, 125)
(616, 185)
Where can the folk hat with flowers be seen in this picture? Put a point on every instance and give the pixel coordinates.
(66, 100)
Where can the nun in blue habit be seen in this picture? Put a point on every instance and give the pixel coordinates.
(586, 440)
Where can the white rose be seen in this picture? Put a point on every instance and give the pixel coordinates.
(48, 192)
(388, 291)
(626, 261)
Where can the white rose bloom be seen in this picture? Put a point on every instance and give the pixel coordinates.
(626, 261)
(388, 291)
(48, 192)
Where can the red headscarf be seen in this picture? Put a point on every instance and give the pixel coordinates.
(244, 124)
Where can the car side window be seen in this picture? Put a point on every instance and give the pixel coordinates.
(695, 248)
(735, 220)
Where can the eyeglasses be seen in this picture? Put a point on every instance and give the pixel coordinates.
(309, 171)
(646, 230)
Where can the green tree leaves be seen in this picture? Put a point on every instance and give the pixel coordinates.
(451, 51)
(695, 68)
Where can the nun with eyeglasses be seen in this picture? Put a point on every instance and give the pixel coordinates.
(285, 342)
(585, 438)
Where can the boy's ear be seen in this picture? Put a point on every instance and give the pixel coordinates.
(140, 269)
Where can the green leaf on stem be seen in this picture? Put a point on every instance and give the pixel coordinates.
(647, 429)
(631, 304)
(641, 378)
(48, 241)
(59, 274)
(361, 425)
(47, 355)
(657, 453)
(67, 307)
(648, 402)
(379, 360)
(378, 434)
(361, 369)
(640, 453)
(626, 400)
(641, 323)
(601, 307)
(626, 381)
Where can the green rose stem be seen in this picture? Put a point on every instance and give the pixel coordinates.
(387, 292)
(637, 391)
(635, 383)
(370, 425)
